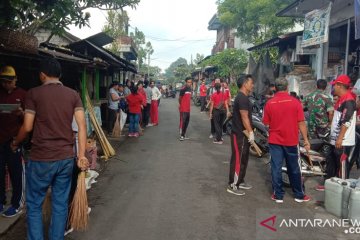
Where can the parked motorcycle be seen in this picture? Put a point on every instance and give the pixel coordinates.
(312, 163)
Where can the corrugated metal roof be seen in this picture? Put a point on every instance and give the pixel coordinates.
(275, 41)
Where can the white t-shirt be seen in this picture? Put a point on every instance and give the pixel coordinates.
(344, 114)
(114, 105)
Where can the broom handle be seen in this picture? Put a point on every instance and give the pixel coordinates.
(257, 149)
(108, 150)
(95, 124)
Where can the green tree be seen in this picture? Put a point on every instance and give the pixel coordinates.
(139, 40)
(198, 58)
(30, 15)
(178, 70)
(230, 62)
(255, 20)
(154, 71)
(117, 24)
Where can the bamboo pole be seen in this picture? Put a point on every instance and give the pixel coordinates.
(105, 145)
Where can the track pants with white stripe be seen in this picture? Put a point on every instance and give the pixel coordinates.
(239, 158)
(15, 166)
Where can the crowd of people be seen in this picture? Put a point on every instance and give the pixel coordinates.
(318, 115)
(47, 112)
(139, 101)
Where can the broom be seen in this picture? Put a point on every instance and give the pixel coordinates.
(79, 207)
(116, 130)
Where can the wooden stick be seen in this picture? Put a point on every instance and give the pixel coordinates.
(105, 145)
(257, 149)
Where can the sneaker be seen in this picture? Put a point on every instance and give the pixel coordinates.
(245, 186)
(182, 138)
(136, 135)
(273, 197)
(89, 210)
(130, 135)
(235, 190)
(218, 142)
(211, 136)
(68, 231)
(186, 138)
(12, 212)
(320, 188)
(150, 125)
(305, 199)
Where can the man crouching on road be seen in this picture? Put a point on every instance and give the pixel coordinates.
(240, 145)
(49, 111)
(284, 116)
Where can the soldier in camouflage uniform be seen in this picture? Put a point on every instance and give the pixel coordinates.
(321, 110)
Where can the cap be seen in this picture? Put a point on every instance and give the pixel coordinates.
(7, 73)
(342, 79)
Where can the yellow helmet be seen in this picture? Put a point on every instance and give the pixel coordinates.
(7, 73)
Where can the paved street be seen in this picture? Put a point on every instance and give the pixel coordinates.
(162, 189)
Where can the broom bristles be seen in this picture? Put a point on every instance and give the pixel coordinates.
(79, 207)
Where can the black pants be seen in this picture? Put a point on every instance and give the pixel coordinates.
(203, 103)
(212, 127)
(184, 122)
(146, 114)
(334, 159)
(14, 163)
(239, 158)
(111, 120)
(219, 117)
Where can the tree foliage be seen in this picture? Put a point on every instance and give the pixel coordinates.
(117, 24)
(178, 70)
(30, 15)
(255, 20)
(230, 62)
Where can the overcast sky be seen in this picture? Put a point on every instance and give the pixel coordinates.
(184, 22)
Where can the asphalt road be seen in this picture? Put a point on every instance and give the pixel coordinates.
(158, 188)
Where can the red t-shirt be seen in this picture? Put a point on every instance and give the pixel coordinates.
(203, 90)
(142, 93)
(10, 123)
(283, 113)
(134, 101)
(217, 98)
(185, 94)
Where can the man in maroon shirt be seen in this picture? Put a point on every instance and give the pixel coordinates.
(285, 117)
(10, 125)
(184, 107)
(49, 112)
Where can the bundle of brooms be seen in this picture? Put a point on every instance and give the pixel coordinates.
(105, 145)
(79, 217)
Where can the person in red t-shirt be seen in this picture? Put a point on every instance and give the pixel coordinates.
(203, 93)
(218, 106)
(285, 117)
(10, 125)
(135, 102)
(184, 107)
(141, 91)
